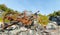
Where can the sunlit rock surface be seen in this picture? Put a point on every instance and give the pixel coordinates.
(38, 30)
(21, 31)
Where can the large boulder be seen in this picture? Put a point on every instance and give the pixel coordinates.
(52, 25)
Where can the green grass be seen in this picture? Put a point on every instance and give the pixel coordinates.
(2, 20)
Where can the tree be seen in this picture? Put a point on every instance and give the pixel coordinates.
(55, 13)
(3, 7)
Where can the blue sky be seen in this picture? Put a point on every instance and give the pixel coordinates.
(44, 6)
